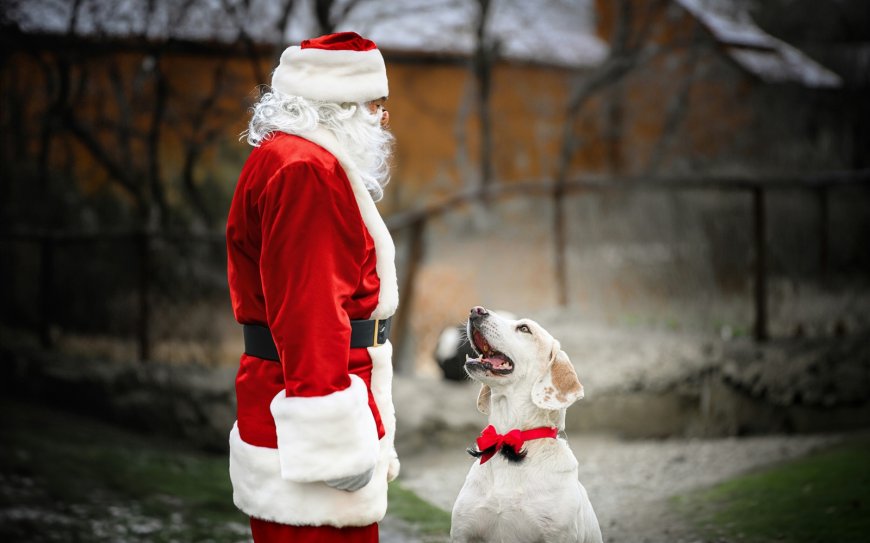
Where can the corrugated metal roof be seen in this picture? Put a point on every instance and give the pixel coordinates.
(559, 32)
(755, 50)
(554, 32)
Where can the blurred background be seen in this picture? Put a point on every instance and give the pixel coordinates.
(677, 189)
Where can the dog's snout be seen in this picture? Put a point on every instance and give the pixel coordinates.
(478, 312)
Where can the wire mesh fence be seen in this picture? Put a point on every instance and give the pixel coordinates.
(163, 295)
(119, 294)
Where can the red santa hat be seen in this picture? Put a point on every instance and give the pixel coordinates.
(342, 67)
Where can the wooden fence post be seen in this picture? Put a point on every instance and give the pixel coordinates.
(406, 295)
(759, 224)
(46, 282)
(559, 245)
(144, 332)
(824, 219)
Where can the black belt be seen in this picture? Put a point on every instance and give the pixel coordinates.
(363, 333)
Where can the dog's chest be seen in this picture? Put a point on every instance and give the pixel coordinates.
(504, 502)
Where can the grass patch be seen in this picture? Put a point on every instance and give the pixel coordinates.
(425, 517)
(824, 497)
(67, 478)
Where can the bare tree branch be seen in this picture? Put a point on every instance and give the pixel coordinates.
(125, 115)
(322, 14)
(678, 106)
(281, 22)
(74, 17)
(618, 63)
(345, 11)
(198, 140)
(484, 57)
(328, 17)
(90, 142)
(153, 146)
(57, 90)
(246, 40)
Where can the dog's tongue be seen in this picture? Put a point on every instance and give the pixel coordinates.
(497, 361)
(489, 357)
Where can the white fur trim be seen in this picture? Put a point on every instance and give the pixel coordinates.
(331, 76)
(382, 390)
(259, 491)
(326, 437)
(385, 265)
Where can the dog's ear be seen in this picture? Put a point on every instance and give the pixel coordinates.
(559, 387)
(483, 399)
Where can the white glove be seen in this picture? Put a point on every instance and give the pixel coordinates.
(393, 470)
(351, 483)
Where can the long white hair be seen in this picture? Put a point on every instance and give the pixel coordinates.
(359, 132)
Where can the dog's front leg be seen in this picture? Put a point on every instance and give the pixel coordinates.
(465, 524)
(462, 530)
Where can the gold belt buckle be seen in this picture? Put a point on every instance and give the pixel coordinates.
(375, 340)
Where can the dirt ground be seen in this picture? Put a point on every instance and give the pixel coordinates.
(631, 477)
(631, 482)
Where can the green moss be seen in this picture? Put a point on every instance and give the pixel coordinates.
(427, 518)
(823, 497)
(66, 478)
(95, 482)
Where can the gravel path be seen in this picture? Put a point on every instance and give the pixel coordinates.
(629, 482)
(394, 530)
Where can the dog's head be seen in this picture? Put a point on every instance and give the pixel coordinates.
(519, 354)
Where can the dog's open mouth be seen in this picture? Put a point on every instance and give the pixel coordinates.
(488, 358)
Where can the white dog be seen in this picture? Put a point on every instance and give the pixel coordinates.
(524, 487)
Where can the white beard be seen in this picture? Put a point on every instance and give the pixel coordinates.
(359, 133)
(369, 146)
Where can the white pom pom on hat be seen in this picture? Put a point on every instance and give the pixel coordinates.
(342, 67)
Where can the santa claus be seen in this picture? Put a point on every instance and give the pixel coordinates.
(312, 279)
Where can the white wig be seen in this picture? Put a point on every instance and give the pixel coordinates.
(358, 131)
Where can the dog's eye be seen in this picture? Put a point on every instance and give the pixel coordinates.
(524, 329)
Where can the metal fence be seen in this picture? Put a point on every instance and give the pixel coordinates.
(756, 189)
(112, 282)
(141, 284)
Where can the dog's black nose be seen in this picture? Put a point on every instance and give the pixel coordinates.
(478, 312)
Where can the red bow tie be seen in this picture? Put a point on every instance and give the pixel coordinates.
(515, 438)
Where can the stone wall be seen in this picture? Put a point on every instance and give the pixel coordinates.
(638, 385)
(190, 402)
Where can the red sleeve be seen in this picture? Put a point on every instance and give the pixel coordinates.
(311, 256)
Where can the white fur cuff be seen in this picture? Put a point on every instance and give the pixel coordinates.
(326, 437)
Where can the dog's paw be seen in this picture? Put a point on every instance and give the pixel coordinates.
(393, 469)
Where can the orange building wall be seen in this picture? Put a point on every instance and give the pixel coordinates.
(433, 112)
(684, 106)
(432, 105)
(434, 118)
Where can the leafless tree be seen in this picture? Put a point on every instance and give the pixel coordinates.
(677, 107)
(241, 15)
(330, 13)
(486, 50)
(628, 40)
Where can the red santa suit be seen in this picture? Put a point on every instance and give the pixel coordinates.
(307, 253)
